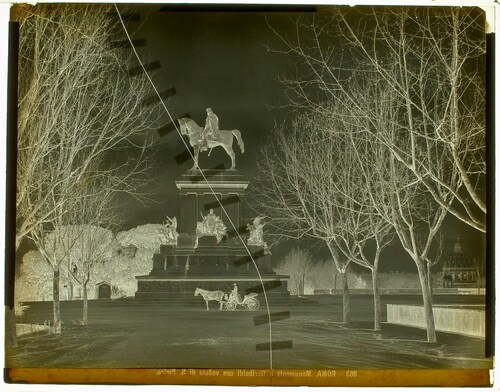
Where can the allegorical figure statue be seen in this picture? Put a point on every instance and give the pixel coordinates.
(170, 231)
(211, 225)
(256, 230)
(203, 139)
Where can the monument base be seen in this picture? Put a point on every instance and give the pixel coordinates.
(150, 287)
(211, 250)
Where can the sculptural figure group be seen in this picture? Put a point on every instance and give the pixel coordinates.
(211, 225)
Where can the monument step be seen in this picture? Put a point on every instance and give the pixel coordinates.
(198, 302)
(271, 275)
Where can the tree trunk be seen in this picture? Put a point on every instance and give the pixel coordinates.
(57, 305)
(346, 306)
(426, 296)
(376, 302)
(429, 280)
(334, 284)
(85, 320)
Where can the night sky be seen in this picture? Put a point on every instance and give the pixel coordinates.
(223, 60)
(219, 60)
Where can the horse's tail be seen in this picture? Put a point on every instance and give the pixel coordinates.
(237, 133)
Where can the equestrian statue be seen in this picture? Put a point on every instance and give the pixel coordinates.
(203, 139)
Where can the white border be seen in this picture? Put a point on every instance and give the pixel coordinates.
(493, 18)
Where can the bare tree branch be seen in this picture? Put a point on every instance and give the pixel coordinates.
(82, 128)
(432, 60)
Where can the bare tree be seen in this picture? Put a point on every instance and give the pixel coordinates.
(79, 243)
(343, 186)
(362, 233)
(410, 78)
(434, 257)
(362, 238)
(416, 219)
(325, 276)
(433, 61)
(335, 273)
(82, 118)
(334, 200)
(299, 264)
(94, 245)
(402, 201)
(297, 188)
(77, 105)
(55, 249)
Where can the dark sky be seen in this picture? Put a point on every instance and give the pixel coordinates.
(222, 60)
(219, 60)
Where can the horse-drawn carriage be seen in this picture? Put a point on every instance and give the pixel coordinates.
(229, 301)
(249, 302)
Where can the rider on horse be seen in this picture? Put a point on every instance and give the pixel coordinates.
(211, 130)
(202, 139)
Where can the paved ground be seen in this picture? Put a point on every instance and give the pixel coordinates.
(126, 334)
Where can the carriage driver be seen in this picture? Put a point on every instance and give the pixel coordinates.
(234, 294)
(211, 130)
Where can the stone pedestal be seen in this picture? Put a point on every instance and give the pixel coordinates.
(211, 265)
(198, 195)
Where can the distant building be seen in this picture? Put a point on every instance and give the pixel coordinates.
(103, 290)
(459, 269)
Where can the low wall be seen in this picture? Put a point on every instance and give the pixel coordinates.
(457, 319)
(23, 329)
(402, 291)
(471, 290)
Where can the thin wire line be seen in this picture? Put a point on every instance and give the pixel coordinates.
(204, 177)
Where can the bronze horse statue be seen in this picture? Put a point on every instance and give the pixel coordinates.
(200, 143)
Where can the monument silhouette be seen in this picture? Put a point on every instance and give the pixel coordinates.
(212, 250)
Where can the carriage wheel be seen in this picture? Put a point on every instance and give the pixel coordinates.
(230, 305)
(252, 304)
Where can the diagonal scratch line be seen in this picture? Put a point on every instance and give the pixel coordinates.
(270, 346)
